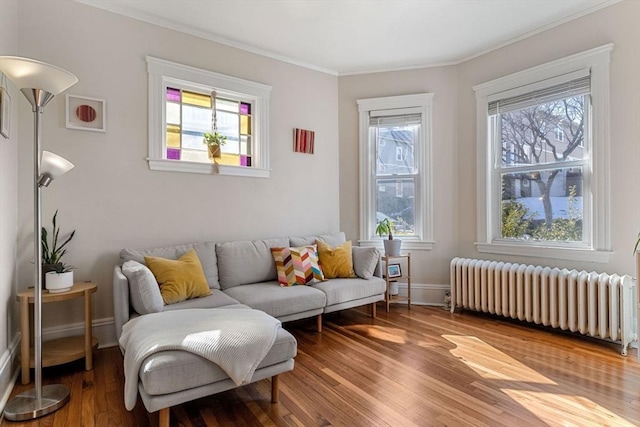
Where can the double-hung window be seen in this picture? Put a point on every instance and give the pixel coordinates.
(182, 101)
(543, 160)
(395, 169)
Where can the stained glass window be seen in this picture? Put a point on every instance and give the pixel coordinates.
(188, 118)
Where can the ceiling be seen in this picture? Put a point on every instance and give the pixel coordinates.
(357, 36)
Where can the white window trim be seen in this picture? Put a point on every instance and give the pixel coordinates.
(424, 206)
(597, 60)
(162, 73)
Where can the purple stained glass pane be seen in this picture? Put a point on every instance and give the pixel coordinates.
(245, 108)
(245, 160)
(173, 154)
(173, 94)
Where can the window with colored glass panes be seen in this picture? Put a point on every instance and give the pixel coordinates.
(188, 117)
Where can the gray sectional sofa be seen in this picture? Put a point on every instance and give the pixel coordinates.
(240, 274)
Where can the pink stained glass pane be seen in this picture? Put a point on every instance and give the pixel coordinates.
(173, 94)
(245, 161)
(245, 108)
(173, 154)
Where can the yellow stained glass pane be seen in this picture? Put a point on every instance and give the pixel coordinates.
(229, 159)
(198, 99)
(173, 136)
(245, 125)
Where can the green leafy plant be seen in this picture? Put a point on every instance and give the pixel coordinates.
(214, 139)
(51, 251)
(385, 226)
(61, 267)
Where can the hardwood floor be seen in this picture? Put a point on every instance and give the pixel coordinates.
(418, 367)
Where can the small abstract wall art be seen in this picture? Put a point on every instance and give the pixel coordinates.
(86, 113)
(303, 140)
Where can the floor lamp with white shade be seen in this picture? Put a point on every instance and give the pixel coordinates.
(39, 83)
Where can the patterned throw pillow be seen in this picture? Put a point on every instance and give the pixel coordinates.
(297, 266)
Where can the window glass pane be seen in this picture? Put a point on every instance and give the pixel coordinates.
(544, 205)
(226, 105)
(173, 94)
(229, 126)
(173, 113)
(229, 159)
(395, 199)
(193, 140)
(199, 99)
(395, 148)
(173, 154)
(245, 108)
(545, 133)
(245, 125)
(173, 136)
(195, 156)
(245, 145)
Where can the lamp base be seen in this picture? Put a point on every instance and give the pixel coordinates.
(25, 406)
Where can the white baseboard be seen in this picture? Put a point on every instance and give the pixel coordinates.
(8, 371)
(425, 294)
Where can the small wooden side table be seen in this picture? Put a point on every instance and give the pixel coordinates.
(406, 276)
(61, 350)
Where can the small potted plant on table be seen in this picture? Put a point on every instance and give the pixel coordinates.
(391, 246)
(59, 280)
(52, 253)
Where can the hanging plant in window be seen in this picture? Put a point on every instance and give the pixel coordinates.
(214, 139)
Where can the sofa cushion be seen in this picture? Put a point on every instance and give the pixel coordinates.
(215, 300)
(143, 288)
(336, 261)
(172, 371)
(297, 265)
(365, 261)
(334, 239)
(277, 301)
(341, 290)
(244, 262)
(206, 253)
(179, 279)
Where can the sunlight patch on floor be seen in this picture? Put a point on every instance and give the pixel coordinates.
(394, 335)
(566, 410)
(489, 362)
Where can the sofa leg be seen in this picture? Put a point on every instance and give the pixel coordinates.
(319, 322)
(164, 417)
(275, 389)
(373, 310)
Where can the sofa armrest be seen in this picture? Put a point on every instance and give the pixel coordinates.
(120, 300)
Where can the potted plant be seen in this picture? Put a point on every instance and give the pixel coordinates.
(60, 279)
(214, 141)
(391, 245)
(51, 251)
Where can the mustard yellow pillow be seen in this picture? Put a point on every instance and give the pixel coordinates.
(179, 279)
(335, 262)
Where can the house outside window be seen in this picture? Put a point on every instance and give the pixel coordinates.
(544, 153)
(395, 168)
(181, 101)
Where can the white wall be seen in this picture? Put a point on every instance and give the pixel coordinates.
(454, 137)
(112, 198)
(8, 206)
(618, 24)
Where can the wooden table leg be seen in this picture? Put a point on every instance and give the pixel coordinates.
(25, 357)
(88, 332)
(275, 389)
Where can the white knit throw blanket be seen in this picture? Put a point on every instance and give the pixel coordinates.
(236, 340)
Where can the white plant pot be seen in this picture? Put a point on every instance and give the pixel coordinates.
(58, 282)
(392, 247)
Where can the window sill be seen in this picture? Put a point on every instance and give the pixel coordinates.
(527, 250)
(418, 245)
(206, 168)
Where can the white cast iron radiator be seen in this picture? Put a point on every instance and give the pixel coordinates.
(595, 304)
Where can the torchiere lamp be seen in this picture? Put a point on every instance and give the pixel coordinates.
(39, 83)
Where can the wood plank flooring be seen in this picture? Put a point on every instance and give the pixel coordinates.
(417, 367)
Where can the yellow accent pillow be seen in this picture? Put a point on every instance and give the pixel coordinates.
(179, 279)
(335, 262)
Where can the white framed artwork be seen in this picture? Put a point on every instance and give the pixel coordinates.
(85, 113)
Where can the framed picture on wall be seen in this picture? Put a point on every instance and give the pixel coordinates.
(86, 113)
(5, 112)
